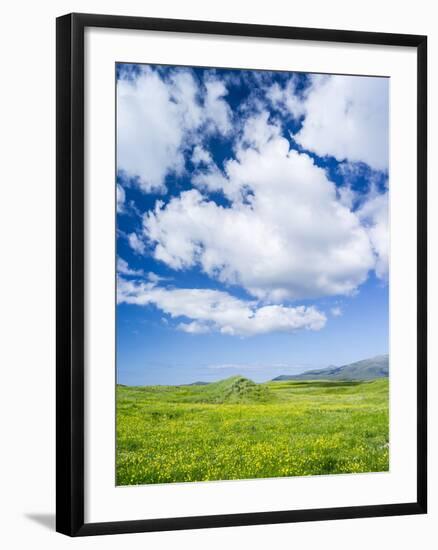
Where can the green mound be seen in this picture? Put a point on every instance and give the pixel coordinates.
(237, 389)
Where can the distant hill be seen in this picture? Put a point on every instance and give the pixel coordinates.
(197, 383)
(367, 369)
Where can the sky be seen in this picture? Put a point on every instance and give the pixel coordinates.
(252, 222)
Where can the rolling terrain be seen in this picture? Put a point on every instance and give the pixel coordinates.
(237, 429)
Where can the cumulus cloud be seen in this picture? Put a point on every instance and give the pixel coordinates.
(217, 110)
(124, 269)
(346, 117)
(207, 175)
(154, 278)
(201, 156)
(286, 99)
(258, 131)
(157, 119)
(194, 327)
(374, 215)
(214, 310)
(286, 234)
(120, 199)
(136, 243)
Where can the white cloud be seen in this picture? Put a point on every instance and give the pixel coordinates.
(154, 278)
(136, 243)
(210, 179)
(184, 92)
(346, 196)
(347, 117)
(124, 269)
(374, 215)
(286, 235)
(336, 311)
(194, 327)
(286, 98)
(201, 156)
(218, 112)
(208, 176)
(257, 131)
(213, 310)
(149, 130)
(158, 119)
(120, 199)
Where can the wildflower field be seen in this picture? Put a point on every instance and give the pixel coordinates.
(236, 429)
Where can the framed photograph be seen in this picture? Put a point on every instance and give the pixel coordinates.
(241, 274)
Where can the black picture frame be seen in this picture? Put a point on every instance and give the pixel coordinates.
(70, 273)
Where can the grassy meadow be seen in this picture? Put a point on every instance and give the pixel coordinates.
(236, 429)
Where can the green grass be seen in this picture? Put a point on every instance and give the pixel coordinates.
(236, 429)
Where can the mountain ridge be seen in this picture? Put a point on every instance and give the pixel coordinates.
(365, 369)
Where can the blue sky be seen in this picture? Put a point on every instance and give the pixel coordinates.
(252, 222)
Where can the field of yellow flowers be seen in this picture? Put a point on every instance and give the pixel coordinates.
(236, 429)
